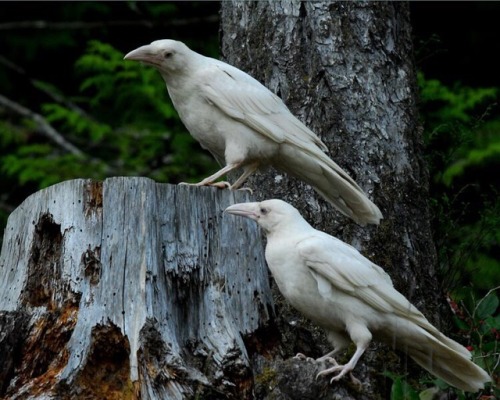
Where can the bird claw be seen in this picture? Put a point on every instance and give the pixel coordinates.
(189, 184)
(325, 359)
(329, 371)
(344, 370)
(246, 189)
(303, 357)
(220, 185)
(356, 382)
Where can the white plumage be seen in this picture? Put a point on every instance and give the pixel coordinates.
(244, 125)
(350, 297)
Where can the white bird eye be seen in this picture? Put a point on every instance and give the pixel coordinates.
(167, 54)
(264, 211)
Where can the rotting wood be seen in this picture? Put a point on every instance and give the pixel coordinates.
(129, 289)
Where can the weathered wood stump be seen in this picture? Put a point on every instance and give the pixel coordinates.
(129, 289)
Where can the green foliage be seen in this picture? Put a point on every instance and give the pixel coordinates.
(401, 389)
(462, 145)
(483, 149)
(39, 164)
(462, 135)
(479, 321)
(74, 121)
(161, 9)
(122, 87)
(11, 134)
(452, 104)
(467, 243)
(459, 138)
(116, 113)
(122, 121)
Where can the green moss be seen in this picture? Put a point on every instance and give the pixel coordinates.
(267, 377)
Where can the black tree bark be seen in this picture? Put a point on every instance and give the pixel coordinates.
(346, 70)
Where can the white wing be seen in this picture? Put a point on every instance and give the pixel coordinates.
(332, 262)
(245, 99)
(336, 265)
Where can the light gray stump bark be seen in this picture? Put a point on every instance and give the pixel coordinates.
(129, 289)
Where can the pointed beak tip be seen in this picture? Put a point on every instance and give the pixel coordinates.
(130, 55)
(240, 210)
(143, 53)
(229, 210)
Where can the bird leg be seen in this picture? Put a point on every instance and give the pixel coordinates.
(209, 181)
(346, 368)
(361, 336)
(249, 169)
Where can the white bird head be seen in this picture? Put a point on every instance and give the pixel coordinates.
(271, 215)
(167, 55)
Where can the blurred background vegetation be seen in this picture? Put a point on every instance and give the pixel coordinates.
(70, 107)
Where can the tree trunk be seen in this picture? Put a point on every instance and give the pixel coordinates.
(129, 289)
(346, 70)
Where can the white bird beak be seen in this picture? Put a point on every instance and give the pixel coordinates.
(247, 210)
(146, 54)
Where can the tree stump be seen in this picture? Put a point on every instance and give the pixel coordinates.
(129, 289)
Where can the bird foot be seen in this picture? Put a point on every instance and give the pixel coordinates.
(321, 360)
(344, 369)
(328, 359)
(303, 357)
(220, 185)
(246, 189)
(341, 369)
